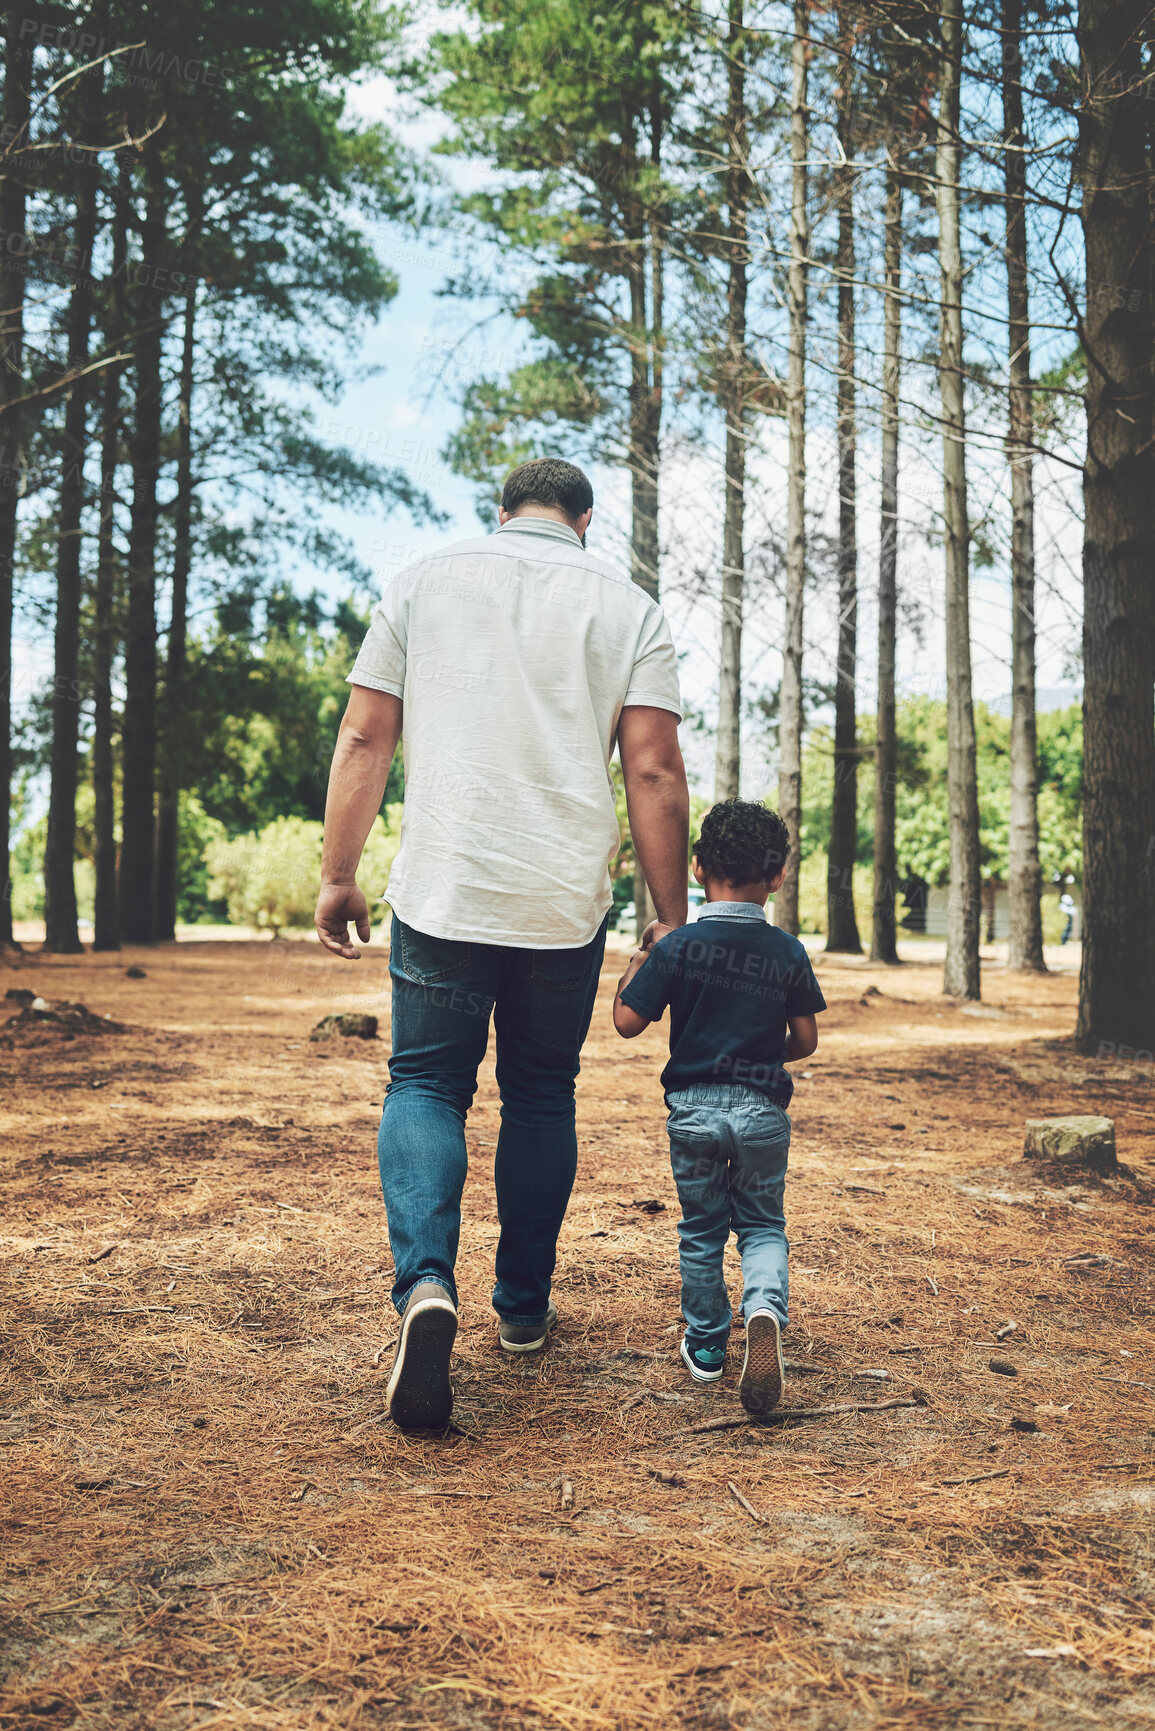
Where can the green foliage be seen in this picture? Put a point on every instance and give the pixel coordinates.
(572, 110)
(921, 813)
(269, 879)
(263, 699)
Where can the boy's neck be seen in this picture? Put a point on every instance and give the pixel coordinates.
(717, 890)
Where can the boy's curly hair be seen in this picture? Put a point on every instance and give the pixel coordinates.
(742, 842)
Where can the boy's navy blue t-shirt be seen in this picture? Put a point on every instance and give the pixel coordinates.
(731, 982)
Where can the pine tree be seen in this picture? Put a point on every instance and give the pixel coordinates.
(1117, 979)
(790, 699)
(961, 969)
(841, 923)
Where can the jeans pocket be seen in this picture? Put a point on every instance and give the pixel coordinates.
(427, 961)
(560, 970)
(764, 1141)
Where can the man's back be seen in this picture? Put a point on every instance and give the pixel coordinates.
(514, 654)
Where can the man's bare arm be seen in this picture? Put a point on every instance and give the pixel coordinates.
(370, 729)
(658, 802)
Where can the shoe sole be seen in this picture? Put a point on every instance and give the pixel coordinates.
(420, 1395)
(700, 1375)
(527, 1345)
(760, 1388)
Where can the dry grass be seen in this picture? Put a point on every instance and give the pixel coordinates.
(208, 1523)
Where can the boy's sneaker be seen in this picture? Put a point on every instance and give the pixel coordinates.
(419, 1394)
(704, 1363)
(763, 1373)
(513, 1338)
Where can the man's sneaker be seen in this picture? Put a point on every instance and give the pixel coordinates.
(419, 1394)
(763, 1373)
(514, 1338)
(704, 1363)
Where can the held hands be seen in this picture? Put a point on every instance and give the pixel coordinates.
(337, 904)
(652, 933)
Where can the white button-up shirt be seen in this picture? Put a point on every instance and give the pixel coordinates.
(514, 654)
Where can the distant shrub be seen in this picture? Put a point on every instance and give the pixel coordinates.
(270, 879)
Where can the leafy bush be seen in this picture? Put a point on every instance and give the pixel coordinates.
(269, 879)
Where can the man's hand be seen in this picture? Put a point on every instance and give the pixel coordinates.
(337, 904)
(653, 932)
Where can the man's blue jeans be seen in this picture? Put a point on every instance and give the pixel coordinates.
(728, 1147)
(443, 994)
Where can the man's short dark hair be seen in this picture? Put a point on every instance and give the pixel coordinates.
(548, 481)
(742, 842)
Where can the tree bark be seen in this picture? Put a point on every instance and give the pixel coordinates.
(964, 907)
(106, 923)
(645, 425)
(728, 763)
(61, 935)
(790, 696)
(14, 117)
(1024, 877)
(137, 853)
(168, 811)
(1117, 977)
(884, 945)
(841, 924)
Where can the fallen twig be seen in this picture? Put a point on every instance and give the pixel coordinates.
(744, 1503)
(977, 1478)
(785, 1412)
(931, 1284)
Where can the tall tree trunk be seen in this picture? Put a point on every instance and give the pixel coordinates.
(841, 924)
(1117, 979)
(60, 918)
(727, 772)
(1025, 946)
(106, 923)
(964, 907)
(884, 946)
(14, 116)
(168, 813)
(646, 417)
(137, 853)
(790, 696)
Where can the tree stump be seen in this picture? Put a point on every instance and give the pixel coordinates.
(1077, 1141)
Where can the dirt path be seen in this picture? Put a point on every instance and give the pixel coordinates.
(207, 1523)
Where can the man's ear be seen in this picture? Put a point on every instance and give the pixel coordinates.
(583, 524)
(698, 874)
(502, 515)
(775, 883)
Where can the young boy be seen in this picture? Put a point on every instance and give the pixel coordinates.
(743, 1001)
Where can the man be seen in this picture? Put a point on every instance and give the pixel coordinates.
(511, 664)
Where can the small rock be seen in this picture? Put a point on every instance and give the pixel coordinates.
(1082, 1140)
(1004, 1367)
(19, 995)
(349, 1026)
(135, 973)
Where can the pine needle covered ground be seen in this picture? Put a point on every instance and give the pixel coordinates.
(208, 1523)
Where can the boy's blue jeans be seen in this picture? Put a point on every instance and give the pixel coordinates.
(443, 994)
(728, 1148)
